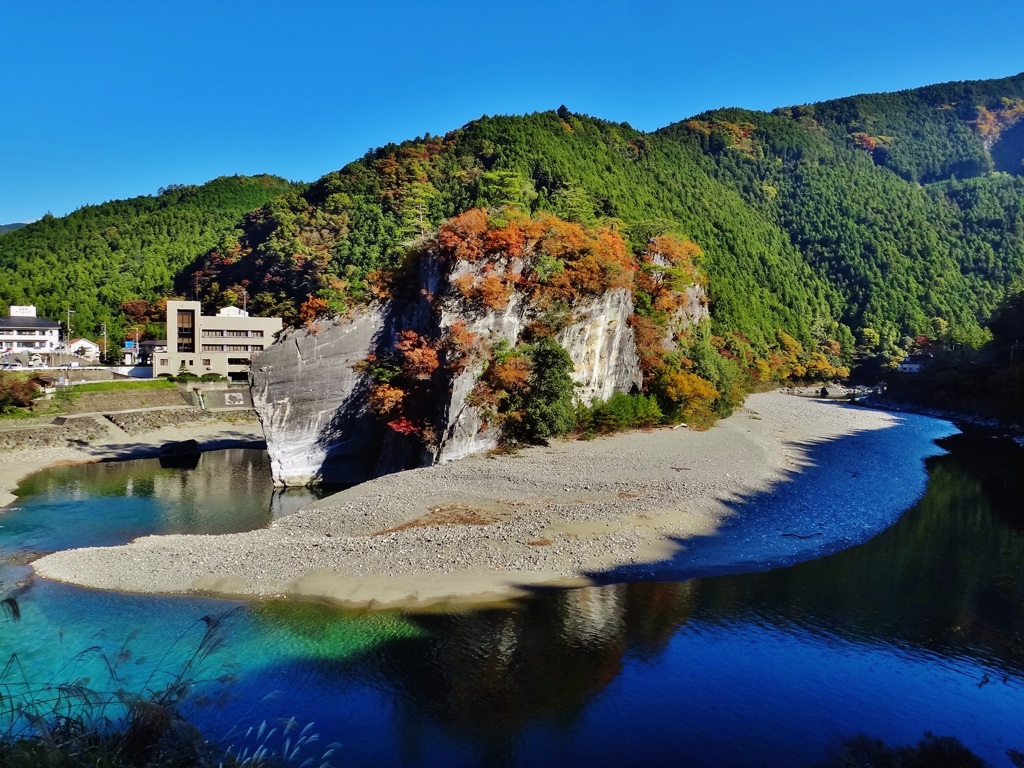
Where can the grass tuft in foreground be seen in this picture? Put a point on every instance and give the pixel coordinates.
(66, 722)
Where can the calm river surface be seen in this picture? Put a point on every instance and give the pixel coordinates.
(920, 629)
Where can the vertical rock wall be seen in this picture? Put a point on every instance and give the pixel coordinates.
(312, 400)
(312, 403)
(602, 347)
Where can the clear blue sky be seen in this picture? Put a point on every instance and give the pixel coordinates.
(115, 98)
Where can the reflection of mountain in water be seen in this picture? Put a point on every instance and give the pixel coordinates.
(210, 497)
(484, 676)
(228, 491)
(949, 576)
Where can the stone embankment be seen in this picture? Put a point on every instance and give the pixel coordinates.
(72, 431)
(142, 422)
(92, 428)
(123, 400)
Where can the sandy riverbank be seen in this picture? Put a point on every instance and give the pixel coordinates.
(783, 479)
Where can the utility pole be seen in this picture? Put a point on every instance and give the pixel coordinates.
(67, 341)
(104, 327)
(245, 295)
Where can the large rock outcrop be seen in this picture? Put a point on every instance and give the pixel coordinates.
(312, 397)
(311, 401)
(458, 345)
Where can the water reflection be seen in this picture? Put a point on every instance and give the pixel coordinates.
(492, 674)
(110, 503)
(918, 629)
(948, 577)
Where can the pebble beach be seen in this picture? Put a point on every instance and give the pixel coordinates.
(489, 528)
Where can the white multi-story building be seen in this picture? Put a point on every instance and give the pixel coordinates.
(24, 332)
(222, 344)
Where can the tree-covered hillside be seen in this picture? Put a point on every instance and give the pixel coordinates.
(100, 256)
(10, 227)
(876, 218)
(326, 241)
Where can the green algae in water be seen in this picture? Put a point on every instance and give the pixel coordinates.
(315, 631)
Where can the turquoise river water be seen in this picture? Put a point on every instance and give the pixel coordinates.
(920, 629)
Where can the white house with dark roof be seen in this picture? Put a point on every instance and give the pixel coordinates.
(22, 331)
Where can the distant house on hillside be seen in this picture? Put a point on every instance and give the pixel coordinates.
(22, 331)
(913, 363)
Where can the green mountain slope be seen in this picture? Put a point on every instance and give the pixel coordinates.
(10, 227)
(896, 253)
(100, 256)
(327, 240)
(889, 214)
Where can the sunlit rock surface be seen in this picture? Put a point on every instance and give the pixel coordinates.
(312, 399)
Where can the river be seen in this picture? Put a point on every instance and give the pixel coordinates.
(920, 629)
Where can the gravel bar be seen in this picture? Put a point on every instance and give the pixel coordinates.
(488, 528)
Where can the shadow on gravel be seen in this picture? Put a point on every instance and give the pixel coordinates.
(839, 493)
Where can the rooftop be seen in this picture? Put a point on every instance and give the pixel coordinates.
(27, 322)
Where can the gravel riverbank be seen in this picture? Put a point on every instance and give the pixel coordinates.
(486, 528)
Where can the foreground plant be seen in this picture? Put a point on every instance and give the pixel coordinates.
(68, 723)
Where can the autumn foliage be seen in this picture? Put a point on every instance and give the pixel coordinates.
(548, 258)
(313, 309)
(418, 355)
(687, 396)
(460, 345)
(550, 265)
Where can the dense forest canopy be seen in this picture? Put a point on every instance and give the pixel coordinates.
(870, 220)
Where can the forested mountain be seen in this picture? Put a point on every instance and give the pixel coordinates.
(326, 241)
(100, 256)
(874, 214)
(880, 217)
(10, 227)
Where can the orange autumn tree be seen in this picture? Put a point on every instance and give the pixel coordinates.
(402, 392)
(687, 396)
(550, 259)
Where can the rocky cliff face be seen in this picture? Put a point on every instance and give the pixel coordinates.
(599, 342)
(418, 378)
(312, 399)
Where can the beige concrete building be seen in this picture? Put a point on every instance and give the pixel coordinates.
(222, 344)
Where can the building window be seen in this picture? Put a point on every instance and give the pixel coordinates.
(238, 347)
(238, 333)
(206, 361)
(163, 361)
(213, 347)
(238, 361)
(256, 348)
(257, 334)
